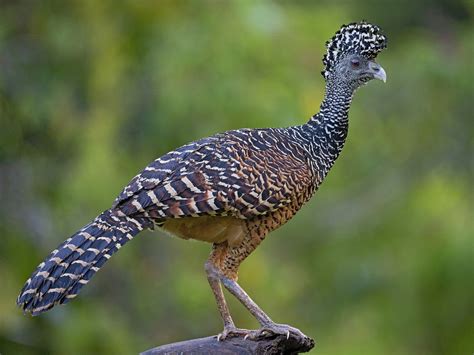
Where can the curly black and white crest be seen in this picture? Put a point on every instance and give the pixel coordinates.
(362, 38)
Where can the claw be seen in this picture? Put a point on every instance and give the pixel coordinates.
(283, 329)
(265, 331)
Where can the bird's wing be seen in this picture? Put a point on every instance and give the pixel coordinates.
(243, 173)
(162, 168)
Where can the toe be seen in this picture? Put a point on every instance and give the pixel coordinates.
(230, 332)
(282, 329)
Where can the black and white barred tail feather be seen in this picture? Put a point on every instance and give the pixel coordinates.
(68, 268)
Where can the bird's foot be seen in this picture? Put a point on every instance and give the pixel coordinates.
(272, 329)
(232, 331)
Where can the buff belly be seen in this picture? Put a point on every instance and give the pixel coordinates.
(210, 229)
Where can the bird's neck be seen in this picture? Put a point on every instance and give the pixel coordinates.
(328, 128)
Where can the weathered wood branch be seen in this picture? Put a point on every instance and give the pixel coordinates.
(277, 344)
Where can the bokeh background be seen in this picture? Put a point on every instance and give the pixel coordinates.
(379, 262)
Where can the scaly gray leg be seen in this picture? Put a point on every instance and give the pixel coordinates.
(268, 326)
(229, 327)
(222, 268)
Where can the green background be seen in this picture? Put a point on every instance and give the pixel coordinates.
(379, 262)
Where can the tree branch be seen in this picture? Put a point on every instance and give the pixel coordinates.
(277, 344)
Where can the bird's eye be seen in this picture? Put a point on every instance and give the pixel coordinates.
(355, 62)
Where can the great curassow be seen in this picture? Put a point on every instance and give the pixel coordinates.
(230, 189)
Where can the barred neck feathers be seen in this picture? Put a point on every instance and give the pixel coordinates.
(328, 128)
(348, 64)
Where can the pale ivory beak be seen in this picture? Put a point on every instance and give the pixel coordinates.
(377, 71)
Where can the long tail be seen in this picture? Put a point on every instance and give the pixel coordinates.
(68, 268)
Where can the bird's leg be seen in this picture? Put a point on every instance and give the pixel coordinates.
(269, 327)
(223, 265)
(245, 299)
(214, 281)
(215, 284)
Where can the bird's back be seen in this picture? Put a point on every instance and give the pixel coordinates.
(242, 174)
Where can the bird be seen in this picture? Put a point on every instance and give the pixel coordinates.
(230, 189)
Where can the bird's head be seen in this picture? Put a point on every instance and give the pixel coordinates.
(351, 53)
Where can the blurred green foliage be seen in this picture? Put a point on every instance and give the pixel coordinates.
(379, 262)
